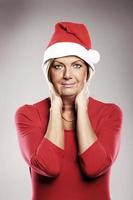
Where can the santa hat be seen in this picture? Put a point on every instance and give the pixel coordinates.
(70, 38)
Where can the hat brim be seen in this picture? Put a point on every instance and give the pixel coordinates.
(61, 49)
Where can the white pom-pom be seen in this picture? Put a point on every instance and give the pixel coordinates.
(94, 56)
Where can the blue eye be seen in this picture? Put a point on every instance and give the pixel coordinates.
(57, 66)
(74, 65)
(77, 65)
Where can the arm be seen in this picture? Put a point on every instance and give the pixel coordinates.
(100, 154)
(55, 130)
(85, 133)
(40, 153)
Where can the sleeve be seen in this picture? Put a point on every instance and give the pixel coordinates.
(98, 158)
(40, 153)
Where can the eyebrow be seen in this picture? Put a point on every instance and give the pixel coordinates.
(72, 62)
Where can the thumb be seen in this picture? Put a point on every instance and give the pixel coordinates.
(86, 87)
(53, 90)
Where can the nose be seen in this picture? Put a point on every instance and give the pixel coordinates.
(67, 73)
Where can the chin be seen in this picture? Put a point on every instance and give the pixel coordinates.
(68, 93)
(69, 96)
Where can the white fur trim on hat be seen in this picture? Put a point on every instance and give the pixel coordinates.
(61, 49)
(94, 56)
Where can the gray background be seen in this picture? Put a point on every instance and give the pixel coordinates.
(26, 27)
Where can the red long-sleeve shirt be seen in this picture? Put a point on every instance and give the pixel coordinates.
(64, 174)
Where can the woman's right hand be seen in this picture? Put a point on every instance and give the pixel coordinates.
(56, 100)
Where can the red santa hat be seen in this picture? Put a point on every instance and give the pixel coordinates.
(71, 38)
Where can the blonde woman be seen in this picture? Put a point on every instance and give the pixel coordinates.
(69, 140)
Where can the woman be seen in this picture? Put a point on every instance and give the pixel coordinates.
(69, 140)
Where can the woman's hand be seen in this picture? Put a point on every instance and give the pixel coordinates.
(81, 99)
(56, 101)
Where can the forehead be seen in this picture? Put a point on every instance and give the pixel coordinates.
(68, 59)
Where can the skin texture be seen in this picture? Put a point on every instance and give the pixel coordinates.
(69, 69)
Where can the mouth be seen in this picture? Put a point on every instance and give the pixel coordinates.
(68, 85)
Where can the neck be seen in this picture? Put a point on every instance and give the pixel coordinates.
(68, 104)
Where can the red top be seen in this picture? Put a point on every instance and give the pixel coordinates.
(59, 174)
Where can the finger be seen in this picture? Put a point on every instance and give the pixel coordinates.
(51, 90)
(86, 89)
(51, 87)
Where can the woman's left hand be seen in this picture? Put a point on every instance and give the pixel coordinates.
(81, 99)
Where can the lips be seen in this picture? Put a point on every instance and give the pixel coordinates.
(68, 85)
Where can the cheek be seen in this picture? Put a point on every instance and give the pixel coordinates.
(82, 76)
(53, 76)
(55, 79)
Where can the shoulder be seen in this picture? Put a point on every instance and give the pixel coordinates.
(35, 115)
(33, 109)
(105, 107)
(105, 114)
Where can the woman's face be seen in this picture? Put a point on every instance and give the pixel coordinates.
(68, 74)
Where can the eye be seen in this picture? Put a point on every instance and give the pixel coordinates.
(77, 65)
(57, 66)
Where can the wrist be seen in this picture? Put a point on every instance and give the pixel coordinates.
(82, 107)
(55, 109)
